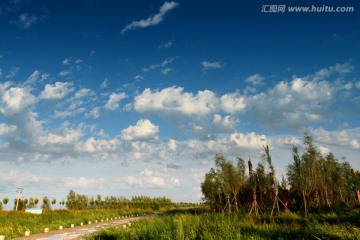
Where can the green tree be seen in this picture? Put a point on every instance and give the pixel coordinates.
(36, 201)
(21, 204)
(317, 181)
(46, 203)
(5, 201)
(221, 186)
(31, 203)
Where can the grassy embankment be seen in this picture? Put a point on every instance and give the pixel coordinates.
(204, 225)
(14, 224)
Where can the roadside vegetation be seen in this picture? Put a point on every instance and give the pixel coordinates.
(79, 209)
(14, 223)
(214, 226)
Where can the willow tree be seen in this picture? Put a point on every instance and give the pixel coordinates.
(320, 181)
(221, 185)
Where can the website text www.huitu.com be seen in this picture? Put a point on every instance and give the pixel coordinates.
(306, 9)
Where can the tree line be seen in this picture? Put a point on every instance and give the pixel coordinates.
(24, 203)
(313, 181)
(76, 201)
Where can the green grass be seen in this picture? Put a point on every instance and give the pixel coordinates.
(219, 226)
(14, 224)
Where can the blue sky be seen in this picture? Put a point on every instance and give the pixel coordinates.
(135, 97)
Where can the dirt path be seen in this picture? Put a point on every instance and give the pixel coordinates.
(80, 231)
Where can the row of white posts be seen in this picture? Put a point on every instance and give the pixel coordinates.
(27, 232)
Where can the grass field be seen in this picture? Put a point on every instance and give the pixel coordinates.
(219, 226)
(193, 223)
(14, 224)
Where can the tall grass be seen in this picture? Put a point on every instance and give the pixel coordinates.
(14, 224)
(218, 226)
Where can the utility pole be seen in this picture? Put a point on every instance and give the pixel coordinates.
(19, 190)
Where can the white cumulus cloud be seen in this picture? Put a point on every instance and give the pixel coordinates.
(173, 101)
(114, 99)
(56, 91)
(143, 130)
(15, 100)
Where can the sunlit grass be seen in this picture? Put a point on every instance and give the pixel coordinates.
(14, 224)
(219, 226)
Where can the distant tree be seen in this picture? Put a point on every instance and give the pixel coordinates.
(36, 202)
(31, 203)
(1, 206)
(46, 203)
(21, 204)
(53, 201)
(5, 201)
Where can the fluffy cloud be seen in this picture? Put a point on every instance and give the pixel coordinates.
(95, 112)
(15, 100)
(56, 91)
(143, 130)
(69, 138)
(153, 20)
(251, 140)
(233, 103)
(151, 179)
(343, 138)
(255, 79)
(294, 104)
(114, 99)
(174, 101)
(6, 129)
(224, 124)
(172, 145)
(83, 93)
(93, 146)
(65, 73)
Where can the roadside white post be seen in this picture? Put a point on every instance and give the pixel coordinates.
(46, 230)
(72, 225)
(60, 227)
(2, 237)
(27, 233)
